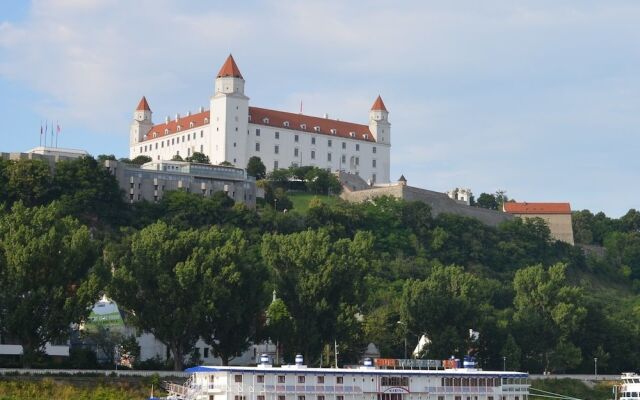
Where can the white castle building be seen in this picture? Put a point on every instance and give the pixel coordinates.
(233, 131)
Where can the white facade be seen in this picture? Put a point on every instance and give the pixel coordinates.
(297, 382)
(233, 131)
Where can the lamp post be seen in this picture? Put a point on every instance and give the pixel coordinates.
(275, 204)
(595, 367)
(504, 363)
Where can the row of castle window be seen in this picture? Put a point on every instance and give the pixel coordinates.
(172, 142)
(296, 153)
(296, 139)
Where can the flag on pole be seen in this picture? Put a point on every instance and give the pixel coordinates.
(40, 132)
(57, 132)
(51, 133)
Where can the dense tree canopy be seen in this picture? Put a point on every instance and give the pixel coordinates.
(190, 266)
(47, 277)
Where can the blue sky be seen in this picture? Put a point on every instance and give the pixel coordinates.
(538, 98)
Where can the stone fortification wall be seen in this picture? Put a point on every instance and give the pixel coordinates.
(439, 202)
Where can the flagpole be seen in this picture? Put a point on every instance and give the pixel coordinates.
(57, 132)
(40, 142)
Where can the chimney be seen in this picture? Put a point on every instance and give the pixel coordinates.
(166, 120)
(189, 113)
(177, 116)
(326, 115)
(201, 109)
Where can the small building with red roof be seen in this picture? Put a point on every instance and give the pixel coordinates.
(556, 215)
(231, 130)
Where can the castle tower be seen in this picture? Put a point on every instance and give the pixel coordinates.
(379, 122)
(229, 117)
(141, 124)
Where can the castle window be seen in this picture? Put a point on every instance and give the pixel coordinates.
(172, 141)
(374, 149)
(328, 156)
(352, 134)
(162, 143)
(313, 154)
(303, 126)
(344, 159)
(257, 132)
(275, 164)
(206, 120)
(329, 143)
(156, 146)
(373, 178)
(313, 140)
(179, 128)
(257, 146)
(366, 136)
(183, 139)
(140, 149)
(357, 146)
(333, 131)
(285, 124)
(373, 163)
(276, 149)
(357, 161)
(277, 135)
(155, 134)
(265, 120)
(316, 128)
(201, 133)
(201, 149)
(344, 145)
(296, 138)
(295, 152)
(191, 124)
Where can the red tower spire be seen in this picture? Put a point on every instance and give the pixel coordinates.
(378, 105)
(229, 69)
(143, 105)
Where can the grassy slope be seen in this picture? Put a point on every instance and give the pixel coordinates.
(62, 389)
(301, 200)
(573, 388)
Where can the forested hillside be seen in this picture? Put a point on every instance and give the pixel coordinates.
(384, 271)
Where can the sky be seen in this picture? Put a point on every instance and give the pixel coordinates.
(538, 98)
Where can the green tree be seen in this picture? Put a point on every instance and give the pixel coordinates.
(232, 290)
(29, 181)
(139, 160)
(198, 157)
(443, 306)
(321, 181)
(279, 324)
(305, 267)
(548, 313)
(486, 200)
(256, 168)
(88, 191)
(104, 157)
(226, 164)
(47, 275)
(177, 157)
(154, 280)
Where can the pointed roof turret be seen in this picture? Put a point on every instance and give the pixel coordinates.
(378, 105)
(143, 105)
(229, 69)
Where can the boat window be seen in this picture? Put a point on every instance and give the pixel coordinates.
(339, 380)
(465, 381)
(482, 382)
(321, 379)
(281, 397)
(301, 379)
(260, 397)
(280, 378)
(237, 378)
(320, 397)
(260, 378)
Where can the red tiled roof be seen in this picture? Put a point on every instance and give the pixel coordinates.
(378, 105)
(537, 208)
(296, 122)
(229, 68)
(172, 126)
(275, 119)
(143, 105)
